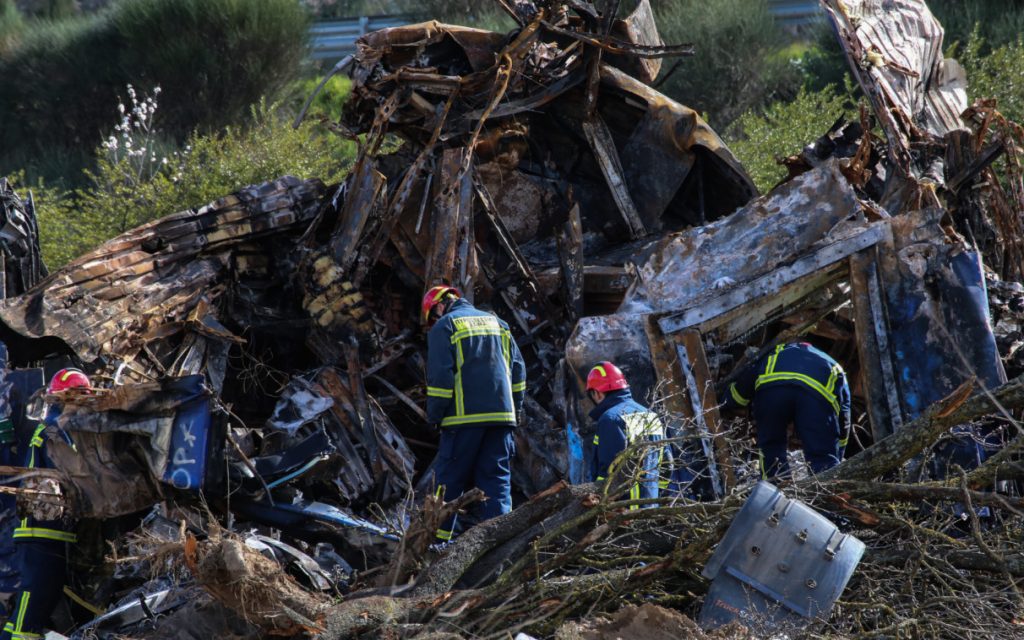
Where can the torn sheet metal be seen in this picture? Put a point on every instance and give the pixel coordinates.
(298, 405)
(125, 446)
(937, 313)
(895, 51)
(814, 209)
(144, 284)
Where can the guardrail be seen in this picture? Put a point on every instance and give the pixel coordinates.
(335, 39)
(796, 13)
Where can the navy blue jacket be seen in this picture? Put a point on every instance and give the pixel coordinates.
(475, 373)
(622, 421)
(796, 364)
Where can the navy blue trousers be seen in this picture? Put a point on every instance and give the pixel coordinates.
(816, 423)
(43, 566)
(478, 457)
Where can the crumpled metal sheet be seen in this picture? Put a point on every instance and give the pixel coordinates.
(764, 235)
(144, 284)
(894, 48)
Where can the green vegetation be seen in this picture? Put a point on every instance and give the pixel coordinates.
(760, 139)
(214, 59)
(998, 74)
(739, 65)
(998, 22)
(136, 181)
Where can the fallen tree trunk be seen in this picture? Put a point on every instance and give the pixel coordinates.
(890, 452)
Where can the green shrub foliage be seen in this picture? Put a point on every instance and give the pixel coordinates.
(214, 58)
(139, 179)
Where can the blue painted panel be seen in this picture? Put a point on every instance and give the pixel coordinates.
(577, 463)
(931, 359)
(190, 438)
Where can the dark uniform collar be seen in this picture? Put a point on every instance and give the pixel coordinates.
(461, 303)
(611, 399)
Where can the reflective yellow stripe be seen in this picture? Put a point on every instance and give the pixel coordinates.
(600, 369)
(22, 609)
(82, 602)
(634, 494)
(460, 396)
(770, 365)
(595, 439)
(479, 417)
(734, 392)
(439, 491)
(459, 336)
(663, 484)
(443, 534)
(519, 387)
(760, 463)
(46, 534)
(845, 441)
(599, 478)
(437, 392)
(799, 377)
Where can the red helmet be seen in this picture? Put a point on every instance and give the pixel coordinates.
(435, 295)
(606, 377)
(66, 379)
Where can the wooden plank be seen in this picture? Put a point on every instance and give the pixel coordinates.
(694, 344)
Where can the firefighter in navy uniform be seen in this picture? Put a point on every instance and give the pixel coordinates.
(41, 543)
(476, 383)
(622, 421)
(800, 385)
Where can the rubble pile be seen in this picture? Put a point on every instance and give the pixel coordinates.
(256, 459)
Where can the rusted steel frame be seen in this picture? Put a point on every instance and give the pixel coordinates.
(405, 399)
(882, 396)
(365, 188)
(445, 220)
(570, 246)
(988, 155)
(355, 381)
(621, 47)
(600, 139)
(504, 237)
(694, 344)
(537, 100)
(694, 394)
(401, 197)
(375, 136)
(510, 10)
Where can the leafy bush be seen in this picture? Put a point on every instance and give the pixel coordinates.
(11, 24)
(784, 128)
(998, 74)
(737, 66)
(136, 181)
(999, 22)
(214, 58)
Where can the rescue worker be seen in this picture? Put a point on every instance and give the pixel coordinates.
(476, 383)
(622, 421)
(800, 385)
(41, 543)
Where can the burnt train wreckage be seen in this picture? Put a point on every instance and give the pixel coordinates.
(262, 351)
